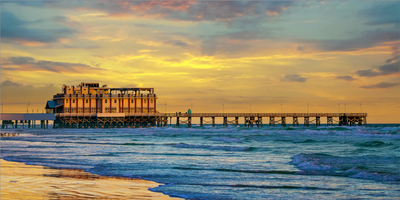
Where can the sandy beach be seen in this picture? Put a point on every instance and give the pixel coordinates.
(21, 181)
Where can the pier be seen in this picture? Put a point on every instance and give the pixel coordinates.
(121, 120)
(20, 120)
(90, 106)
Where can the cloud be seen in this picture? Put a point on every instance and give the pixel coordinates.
(16, 30)
(395, 58)
(30, 64)
(382, 13)
(178, 10)
(366, 39)
(381, 85)
(346, 78)
(388, 69)
(66, 21)
(300, 48)
(9, 83)
(176, 43)
(294, 78)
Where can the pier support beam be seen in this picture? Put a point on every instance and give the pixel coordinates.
(225, 123)
(271, 121)
(237, 121)
(259, 122)
(306, 121)
(177, 121)
(329, 121)
(213, 121)
(190, 122)
(318, 121)
(165, 121)
(295, 121)
(343, 121)
(201, 122)
(283, 121)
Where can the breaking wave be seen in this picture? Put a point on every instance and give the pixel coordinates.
(360, 167)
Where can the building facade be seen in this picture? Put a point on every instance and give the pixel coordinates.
(91, 98)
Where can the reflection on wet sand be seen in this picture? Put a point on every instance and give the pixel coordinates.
(20, 181)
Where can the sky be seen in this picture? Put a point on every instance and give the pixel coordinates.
(211, 56)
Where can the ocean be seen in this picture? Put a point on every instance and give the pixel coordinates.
(228, 162)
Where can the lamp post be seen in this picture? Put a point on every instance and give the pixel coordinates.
(165, 107)
(307, 107)
(360, 106)
(344, 107)
(339, 107)
(223, 111)
(281, 108)
(191, 106)
(27, 107)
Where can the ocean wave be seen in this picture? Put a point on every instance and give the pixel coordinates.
(226, 139)
(225, 148)
(373, 144)
(290, 187)
(134, 143)
(361, 167)
(304, 141)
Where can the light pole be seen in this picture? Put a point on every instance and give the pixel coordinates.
(344, 107)
(223, 111)
(339, 107)
(360, 106)
(307, 107)
(165, 107)
(191, 106)
(281, 108)
(27, 107)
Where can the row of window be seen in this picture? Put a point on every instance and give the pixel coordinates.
(107, 110)
(105, 101)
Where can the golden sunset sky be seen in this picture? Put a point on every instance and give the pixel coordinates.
(235, 53)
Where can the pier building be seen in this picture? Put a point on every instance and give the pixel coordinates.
(90, 98)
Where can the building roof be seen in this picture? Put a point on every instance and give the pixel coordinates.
(52, 104)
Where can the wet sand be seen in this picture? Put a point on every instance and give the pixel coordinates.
(21, 181)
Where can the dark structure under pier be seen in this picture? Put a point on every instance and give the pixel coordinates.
(120, 120)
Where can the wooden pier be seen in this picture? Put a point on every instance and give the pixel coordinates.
(120, 120)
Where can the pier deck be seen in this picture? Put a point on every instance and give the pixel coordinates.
(114, 120)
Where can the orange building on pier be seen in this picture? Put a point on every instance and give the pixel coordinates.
(90, 98)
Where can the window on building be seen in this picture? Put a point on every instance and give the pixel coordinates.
(132, 101)
(151, 101)
(115, 101)
(66, 101)
(73, 100)
(87, 101)
(105, 101)
(144, 101)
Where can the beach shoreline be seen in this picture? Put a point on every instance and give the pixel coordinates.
(22, 181)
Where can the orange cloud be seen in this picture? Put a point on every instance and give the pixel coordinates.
(31, 43)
